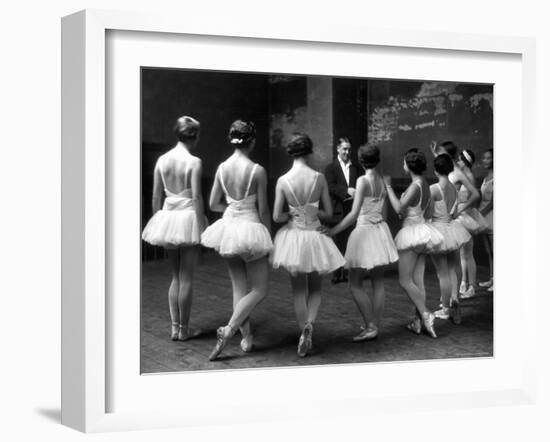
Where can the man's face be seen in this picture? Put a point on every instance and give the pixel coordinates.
(344, 151)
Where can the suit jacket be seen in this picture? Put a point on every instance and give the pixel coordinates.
(338, 187)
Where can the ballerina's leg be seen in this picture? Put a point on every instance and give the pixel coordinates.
(173, 290)
(298, 283)
(314, 296)
(237, 274)
(379, 294)
(411, 268)
(188, 262)
(360, 296)
(442, 270)
(257, 272)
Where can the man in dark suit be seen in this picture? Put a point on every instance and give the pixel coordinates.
(341, 176)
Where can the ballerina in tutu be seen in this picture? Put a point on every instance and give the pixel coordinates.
(299, 246)
(486, 209)
(474, 222)
(468, 196)
(415, 238)
(178, 223)
(445, 200)
(242, 235)
(370, 245)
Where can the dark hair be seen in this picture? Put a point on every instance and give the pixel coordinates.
(186, 129)
(450, 147)
(368, 156)
(241, 133)
(343, 140)
(300, 145)
(415, 161)
(443, 164)
(468, 157)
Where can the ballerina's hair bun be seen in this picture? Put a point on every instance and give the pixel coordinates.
(451, 148)
(368, 156)
(241, 133)
(186, 128)
(300, 145)
(468, 157)
(443, 164)
(415, 161)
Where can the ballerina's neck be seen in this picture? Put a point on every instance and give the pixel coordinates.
(182, 147)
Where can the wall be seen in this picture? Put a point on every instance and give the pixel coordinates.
(405, 114)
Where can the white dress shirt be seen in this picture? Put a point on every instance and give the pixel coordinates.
(345, 168)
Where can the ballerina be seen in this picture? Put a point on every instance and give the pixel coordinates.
(474, 222)
(299, 246)
(486, 209)
(445, 198)
(468, 196)
(415, 238)
(370, 245)
(242, 235)
(177, 224)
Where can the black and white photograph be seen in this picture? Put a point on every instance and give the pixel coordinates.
(292, 220)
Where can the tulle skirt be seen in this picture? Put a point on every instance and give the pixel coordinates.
(304, 251)
(173, 228)
(238, 237)
(369, 246)
(421, 238)
(454, 234)
(473, 221)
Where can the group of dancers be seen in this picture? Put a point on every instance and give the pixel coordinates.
(438, 220)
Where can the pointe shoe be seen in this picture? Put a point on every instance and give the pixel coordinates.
(247, 343)
(428, 321)
(415, 326)
(174, 334)
(486, 284)
(463, 287)
(367, 334)
(222, 339)
(456, 314)
(305, 343)
(470, 293)
(443, 313)
(186, 333)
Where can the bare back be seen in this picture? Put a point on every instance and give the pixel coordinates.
(302, 181)
(236, 171)
(176, 168)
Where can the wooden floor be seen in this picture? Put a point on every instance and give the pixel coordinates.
(276, 332)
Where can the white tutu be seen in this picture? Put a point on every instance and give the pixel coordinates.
(304, 251)
(238, 237)
(420, 237)
(369, 246)
(175, 225)
(454, 234)
(473, 221)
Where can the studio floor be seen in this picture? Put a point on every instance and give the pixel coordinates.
(276, 333)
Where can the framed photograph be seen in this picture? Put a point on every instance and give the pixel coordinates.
(154, 110)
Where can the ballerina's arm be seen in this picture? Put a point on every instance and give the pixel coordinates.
(196, 190)
(216, 204)
(474, 193)
(158, 191)
(360, 193)
(326, 212)
(401, 206)
(278, 215)
(261, 191)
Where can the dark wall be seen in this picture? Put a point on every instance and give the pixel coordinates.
(405, 114)
(216, 99)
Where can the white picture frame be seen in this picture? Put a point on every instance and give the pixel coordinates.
(85, 199)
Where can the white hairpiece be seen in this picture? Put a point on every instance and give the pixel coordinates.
(466, 155)
(236, 141)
